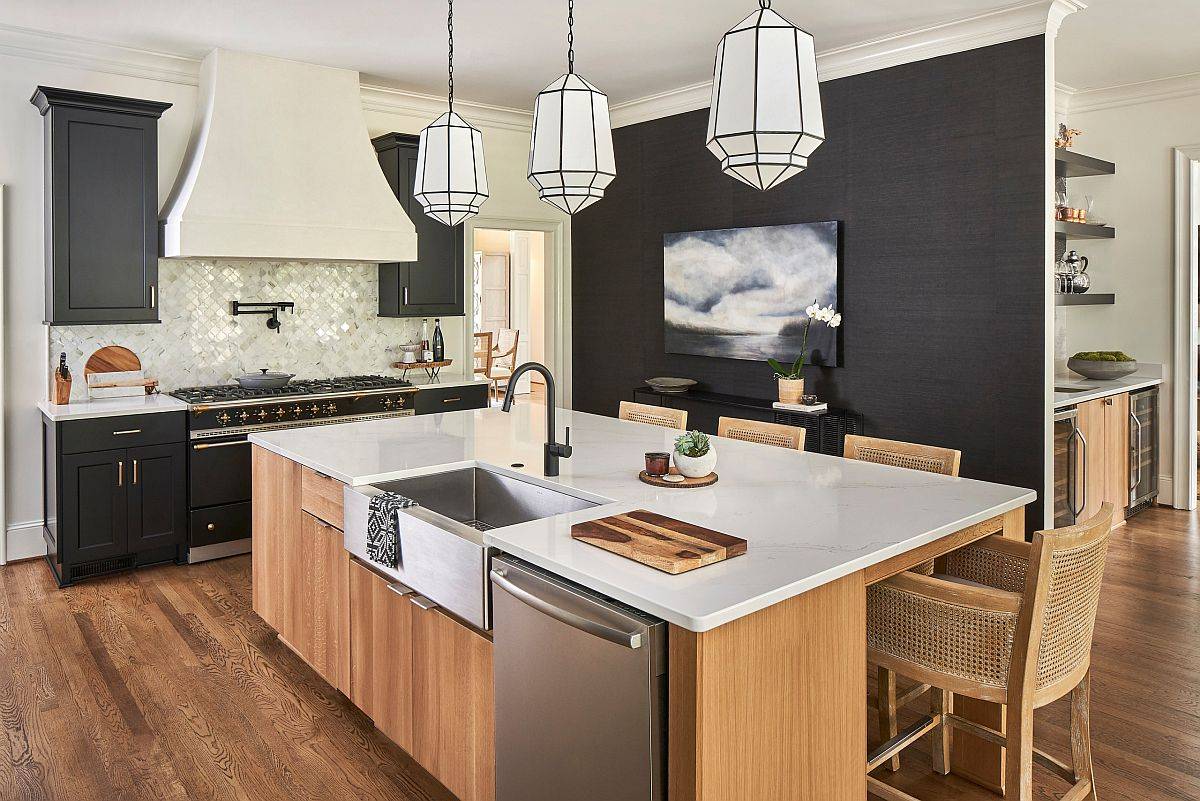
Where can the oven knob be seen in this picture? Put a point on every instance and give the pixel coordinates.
(281, 412)
(331, 408)
(243, 416)
(262, 414)
(315, 409)
(298, 410)
(223, 418)
(387, 403)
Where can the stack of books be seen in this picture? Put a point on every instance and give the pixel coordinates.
(816, 408)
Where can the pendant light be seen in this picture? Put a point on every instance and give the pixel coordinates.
(571, 153)
(765, 117)
(450, 182)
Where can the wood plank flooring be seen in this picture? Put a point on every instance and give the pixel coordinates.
(163, 684)
(1145, 678)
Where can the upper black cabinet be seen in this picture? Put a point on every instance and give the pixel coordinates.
(101, 191)
(431, 286)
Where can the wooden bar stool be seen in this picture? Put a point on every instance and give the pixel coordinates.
(777, 434)
(1010, 622)
(653, 415)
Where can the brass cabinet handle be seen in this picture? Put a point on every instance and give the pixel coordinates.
(211, 526)
(206, 445)
(135, 461)
(451, 400)
(128, 431)
(120, 473)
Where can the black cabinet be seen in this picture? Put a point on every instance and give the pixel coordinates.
(113, 509)
(431, 286)
(434, 400)
(101, 218)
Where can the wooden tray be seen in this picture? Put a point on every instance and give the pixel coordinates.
(415, 365)
(661, 542)
(657, 481)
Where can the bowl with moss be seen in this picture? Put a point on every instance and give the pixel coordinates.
(1102, 365)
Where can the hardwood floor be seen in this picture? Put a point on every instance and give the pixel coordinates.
(1145, 678)
(163, 684)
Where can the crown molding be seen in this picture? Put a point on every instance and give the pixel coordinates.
(1037, 18)
(1081, 101)
(132, 62)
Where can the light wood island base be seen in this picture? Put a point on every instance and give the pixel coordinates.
(773, 706)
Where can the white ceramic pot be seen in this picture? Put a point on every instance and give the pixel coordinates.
(696, 466)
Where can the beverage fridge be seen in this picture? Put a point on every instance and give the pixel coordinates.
(1143, 449)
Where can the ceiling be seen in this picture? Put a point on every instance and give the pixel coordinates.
(1117, 42)
(509, 49)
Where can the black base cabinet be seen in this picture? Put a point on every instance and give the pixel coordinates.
(116, 508)
(101, 194)
(431, 286)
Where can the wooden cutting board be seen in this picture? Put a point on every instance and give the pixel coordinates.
(112, 359)
(661, 542)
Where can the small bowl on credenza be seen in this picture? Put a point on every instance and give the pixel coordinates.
(670, 386)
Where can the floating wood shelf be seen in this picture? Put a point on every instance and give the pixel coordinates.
(1074, 230)
(1085, 299)
(1069, 164)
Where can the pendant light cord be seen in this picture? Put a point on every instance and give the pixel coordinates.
(450, 60)
(571, 35)
(764, 4)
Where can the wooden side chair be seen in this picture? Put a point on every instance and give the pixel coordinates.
(504, 358)
(1010, 622)
(483, 353)
(653, 415)
(777, 434)
(913, 456)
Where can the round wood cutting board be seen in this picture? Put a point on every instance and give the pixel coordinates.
(112, 359)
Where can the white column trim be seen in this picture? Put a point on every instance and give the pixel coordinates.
(1183, 377)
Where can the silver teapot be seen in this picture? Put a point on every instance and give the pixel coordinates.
(1075, 277)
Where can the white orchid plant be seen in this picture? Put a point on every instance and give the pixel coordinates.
(822, 314)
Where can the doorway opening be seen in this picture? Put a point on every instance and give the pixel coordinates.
(509, 292)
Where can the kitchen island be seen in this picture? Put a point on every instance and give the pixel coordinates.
(767, 650)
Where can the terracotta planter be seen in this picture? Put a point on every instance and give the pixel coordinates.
(790, 389)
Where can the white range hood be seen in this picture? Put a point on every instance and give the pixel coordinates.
(280, 166)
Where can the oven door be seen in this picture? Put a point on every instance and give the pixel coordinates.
(218, 471)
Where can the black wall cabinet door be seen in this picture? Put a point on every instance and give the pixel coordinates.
(94, 523)
(432, 286)
(157, 496)
(101, 220)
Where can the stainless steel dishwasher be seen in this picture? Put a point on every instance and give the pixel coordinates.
(581, 690)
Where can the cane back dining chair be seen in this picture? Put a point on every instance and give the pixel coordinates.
(777, 434)
(1010, 622)
(663, 416)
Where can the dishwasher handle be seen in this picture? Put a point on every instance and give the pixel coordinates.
(631, 640)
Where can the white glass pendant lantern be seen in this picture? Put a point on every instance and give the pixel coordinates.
(571, 153)
(450, 181)
(765, 117)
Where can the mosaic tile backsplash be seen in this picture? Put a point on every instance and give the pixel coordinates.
(334, 331)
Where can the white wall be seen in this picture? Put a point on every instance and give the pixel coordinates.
(1137, 265)
(25, 357)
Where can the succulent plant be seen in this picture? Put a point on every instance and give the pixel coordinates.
(693, 443)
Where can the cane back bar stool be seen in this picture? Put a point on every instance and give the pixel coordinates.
(653, 415)
(777, 434)
(929, 459)
(1011, 623)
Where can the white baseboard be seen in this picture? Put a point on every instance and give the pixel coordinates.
(25, 541)
(1166, 491)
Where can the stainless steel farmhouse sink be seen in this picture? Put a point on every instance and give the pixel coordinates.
(441, 553)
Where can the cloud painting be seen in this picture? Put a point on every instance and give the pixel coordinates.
(740, 293)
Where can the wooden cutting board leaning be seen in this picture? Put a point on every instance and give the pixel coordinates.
(658, 541)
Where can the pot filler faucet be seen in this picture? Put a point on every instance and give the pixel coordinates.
(553, 450)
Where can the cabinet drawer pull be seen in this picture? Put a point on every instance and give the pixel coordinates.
(120, 473)
(400, 589)
(135, 461)
(128, 431)
(211, 526)
(451, 400)
(405, 296)
(422, 602)
(203, 446)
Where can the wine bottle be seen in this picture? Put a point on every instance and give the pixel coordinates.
(439, 344)
(426, 353)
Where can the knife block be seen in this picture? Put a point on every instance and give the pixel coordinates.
(60, 389)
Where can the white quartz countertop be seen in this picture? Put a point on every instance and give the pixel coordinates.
(808, 518)
(446, 378)
(1086, 389)
(111, 407)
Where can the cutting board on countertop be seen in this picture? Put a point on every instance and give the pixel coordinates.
(112, 359)
(661, 542)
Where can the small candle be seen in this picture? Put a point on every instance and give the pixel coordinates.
(658, 464)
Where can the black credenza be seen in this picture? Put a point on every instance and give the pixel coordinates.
(824, 432)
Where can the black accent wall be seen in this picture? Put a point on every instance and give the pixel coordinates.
(936, 170)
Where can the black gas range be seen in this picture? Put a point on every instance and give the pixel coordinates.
(219, 419)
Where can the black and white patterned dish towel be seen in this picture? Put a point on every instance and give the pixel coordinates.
(383, 527)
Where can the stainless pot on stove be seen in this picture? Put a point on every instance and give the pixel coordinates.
(264, 380)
